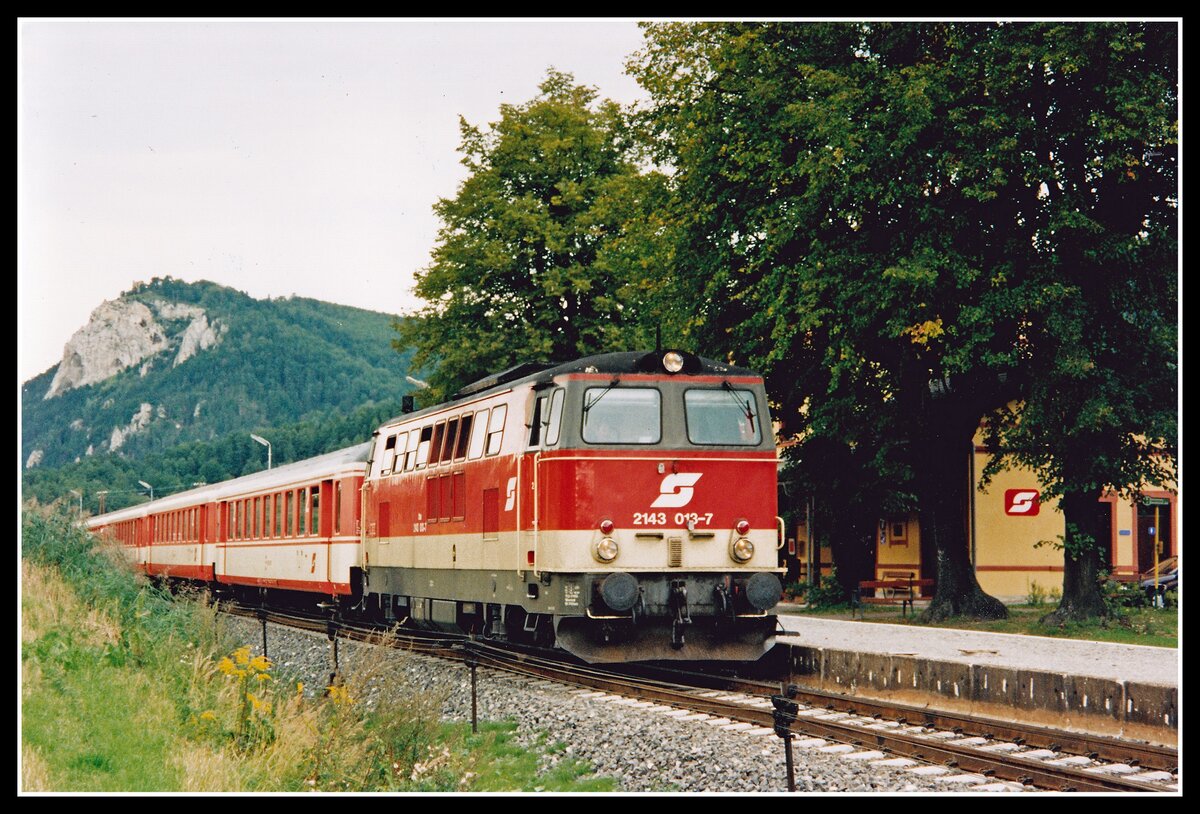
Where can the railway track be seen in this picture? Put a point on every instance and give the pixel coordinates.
(981, 751)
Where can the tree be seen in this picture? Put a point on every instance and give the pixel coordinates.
(1100, 413)
(865, 207)
(539, 254)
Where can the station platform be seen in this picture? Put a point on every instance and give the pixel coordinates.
(1116, 689)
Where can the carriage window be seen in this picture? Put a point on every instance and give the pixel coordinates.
(554, 423)
(722, 417)
(626, 415)
(337, 507)
(289, 513)
(495, 434)
(478, 431)
(316, 510)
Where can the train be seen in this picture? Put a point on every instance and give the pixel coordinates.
(621, 507)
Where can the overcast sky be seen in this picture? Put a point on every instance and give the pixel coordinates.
(273, 157)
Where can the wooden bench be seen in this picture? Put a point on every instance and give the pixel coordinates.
(898, 589)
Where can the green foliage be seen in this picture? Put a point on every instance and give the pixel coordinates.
(280, 361)
(547, 250)
(907, 226)
(829, 594)
(180, 467)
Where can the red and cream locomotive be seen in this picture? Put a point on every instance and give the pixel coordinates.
(621, 506)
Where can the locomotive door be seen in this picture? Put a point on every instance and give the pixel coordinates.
(544, 425)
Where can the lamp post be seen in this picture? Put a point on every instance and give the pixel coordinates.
(145, 485)
(266, 444)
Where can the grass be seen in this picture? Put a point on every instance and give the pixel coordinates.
(125, 690)
(1156, 627)
(90, 721)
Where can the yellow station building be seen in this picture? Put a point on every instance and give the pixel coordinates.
(1007, 522)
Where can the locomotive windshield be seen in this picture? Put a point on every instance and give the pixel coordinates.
(722, 417)
(626, 415)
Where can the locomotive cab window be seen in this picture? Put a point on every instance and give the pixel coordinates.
(627, 415)
(725, 417)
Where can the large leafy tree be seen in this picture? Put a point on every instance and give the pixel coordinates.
(547, 250)
(1100, 412)
(874, 212)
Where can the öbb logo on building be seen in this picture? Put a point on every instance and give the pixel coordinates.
(1022, 502)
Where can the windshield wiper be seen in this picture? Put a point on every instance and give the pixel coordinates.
(590, 403)
(744, 406)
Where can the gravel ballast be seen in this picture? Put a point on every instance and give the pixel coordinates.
(646, 750)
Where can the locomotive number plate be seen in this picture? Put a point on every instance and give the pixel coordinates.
(680, 518)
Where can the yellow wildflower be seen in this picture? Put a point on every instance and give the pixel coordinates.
(208, 715)
(226, 666)
(242, 655)
(263, 677)
(261, 663)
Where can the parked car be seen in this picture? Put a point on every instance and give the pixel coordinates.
(1167, 577)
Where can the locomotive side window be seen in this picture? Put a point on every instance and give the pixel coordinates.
(464, 435)
(439, 436)
(478, 432)
(495, 434)
(410, 451)
(451, 440)
(627, 415)
(423, 447)
(389, 456)
(725, 417)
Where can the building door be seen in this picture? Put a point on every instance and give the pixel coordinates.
(1153, 528)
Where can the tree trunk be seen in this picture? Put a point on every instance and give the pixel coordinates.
(1083, 559)
(943, 488)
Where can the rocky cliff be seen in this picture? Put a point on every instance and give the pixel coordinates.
(123, 333)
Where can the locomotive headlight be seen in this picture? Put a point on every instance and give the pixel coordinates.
(673, 361)
(605, 550)
(741, 550)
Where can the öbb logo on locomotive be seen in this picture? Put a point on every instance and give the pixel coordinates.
(518, 510)
(676, 490)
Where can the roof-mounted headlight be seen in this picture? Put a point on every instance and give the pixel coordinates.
(673, 361)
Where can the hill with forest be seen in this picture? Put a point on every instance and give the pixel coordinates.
(170, 369)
